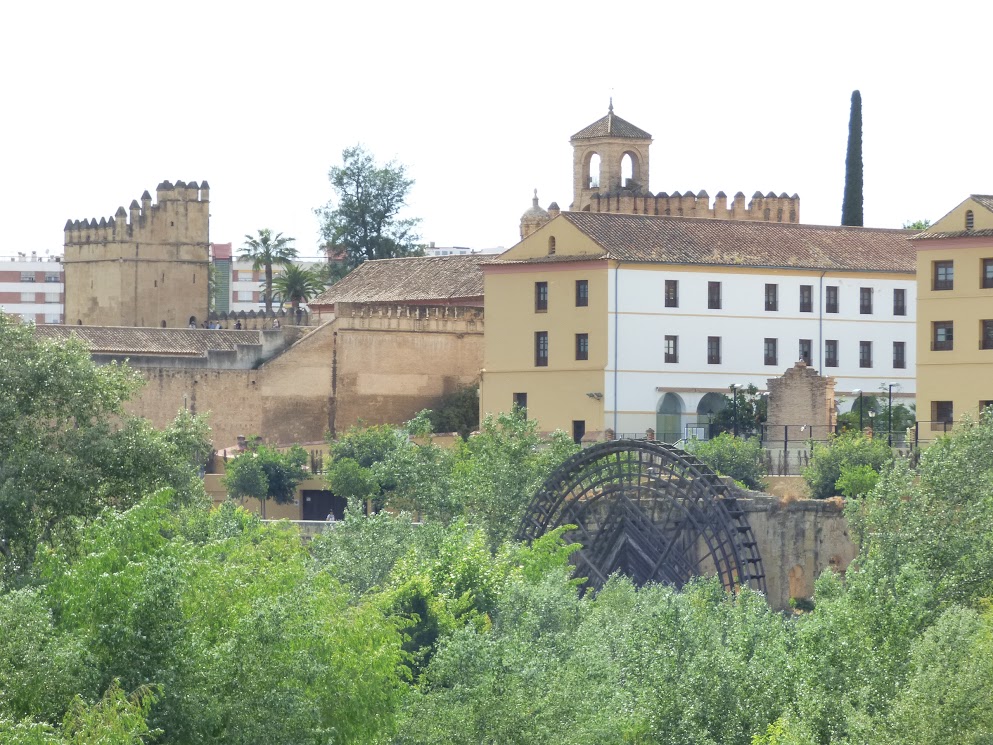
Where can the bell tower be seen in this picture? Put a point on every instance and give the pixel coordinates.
(598, 155)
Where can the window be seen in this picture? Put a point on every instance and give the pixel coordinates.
(672, 293)
(899, 302)
(582, 293)
(942, 336)
(772, 351)
(831, 299)
(672, 348)
(551, 245)
(943, 273)
(53, 297)
(541, 349)
(970, 220)
(521, 402)
(830, 353)
(53, 277)
(865, 354)
(806, 298)
(984, 405)
(987, 277)
(865, 300)
(27, 297)
(540, 297)
(245, 296)
(582, 346)
(806, 351)
(713, 350)
(714, 295)
(27, 276)
(578, 430)
(986, 335)
(899, 355)
(941, 413)
(772, 297)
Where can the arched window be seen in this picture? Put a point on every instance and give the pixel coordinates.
(970, 220)
(551, 245)
(627, 170)
(593, 172)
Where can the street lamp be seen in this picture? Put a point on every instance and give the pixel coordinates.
(859, 391)
(889, 415)
(735, 387)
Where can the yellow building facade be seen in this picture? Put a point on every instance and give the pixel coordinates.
(955, 314)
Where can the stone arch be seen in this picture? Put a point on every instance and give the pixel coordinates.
(669, 417)
(649, 511)
(592, 169)
(631, 169)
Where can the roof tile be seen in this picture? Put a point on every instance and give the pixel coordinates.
(125, 340)
(687, 240)
(414, 278)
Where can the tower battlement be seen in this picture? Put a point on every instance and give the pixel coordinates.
(144, 266)
(767, 208)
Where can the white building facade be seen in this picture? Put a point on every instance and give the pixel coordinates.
(32, 288)
(683, 335)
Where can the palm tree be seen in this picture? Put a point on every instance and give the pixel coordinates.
(265, 251)
(297, 285)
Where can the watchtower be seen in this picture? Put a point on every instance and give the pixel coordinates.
(598, 162)
(147, 266)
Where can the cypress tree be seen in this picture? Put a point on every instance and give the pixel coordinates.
(851, 208)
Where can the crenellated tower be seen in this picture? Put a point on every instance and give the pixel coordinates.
(145, 266)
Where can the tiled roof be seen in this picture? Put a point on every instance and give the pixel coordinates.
(984, 199)
(688, 240)
(611, 126)
(415, 278)
(927, 235)
(123, 340)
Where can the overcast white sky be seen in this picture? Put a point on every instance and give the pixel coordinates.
(103, 100)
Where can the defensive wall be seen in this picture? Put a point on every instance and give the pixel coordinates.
(370, 364)
(768, 207)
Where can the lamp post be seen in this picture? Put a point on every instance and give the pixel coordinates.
(889, 415)
(735, 387)
(859, 391)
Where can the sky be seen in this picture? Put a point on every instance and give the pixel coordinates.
(103, 100)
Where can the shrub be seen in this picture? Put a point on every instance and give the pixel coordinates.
(849, 450)
(737, 457)
(856, 481)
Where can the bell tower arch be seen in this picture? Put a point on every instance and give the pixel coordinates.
(609, 146)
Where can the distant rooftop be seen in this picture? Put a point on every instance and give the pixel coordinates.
(150, 341)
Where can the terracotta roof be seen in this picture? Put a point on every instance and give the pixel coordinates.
(688, 240)
(984, 199)
(611, 126)
(124, 340)
(927, 235)
(415, 278)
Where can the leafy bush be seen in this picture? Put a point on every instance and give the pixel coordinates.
(857, 481)
(737, 457)
(848, 450)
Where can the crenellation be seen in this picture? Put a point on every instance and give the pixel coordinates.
(138, 267)
(769, 207)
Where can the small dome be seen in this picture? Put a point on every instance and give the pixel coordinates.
(535, 212)
(553, 206)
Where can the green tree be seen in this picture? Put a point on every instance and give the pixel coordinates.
(457, 412)
(737, 457)
(917, 224)
(363, 219)
(751, 412)
(266, 250)
(62, 459)
(851, 208)
(266, 473)
(844, 451)
(297, 285)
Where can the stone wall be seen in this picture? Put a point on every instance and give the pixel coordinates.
(797, 540)
(800, 399)
(378, 365)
